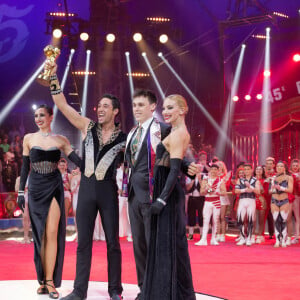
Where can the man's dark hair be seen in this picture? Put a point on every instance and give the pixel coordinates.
(114, 100)
(214, 166)
(240, 164)
(248, 165)
(47, 108)
(145, 93)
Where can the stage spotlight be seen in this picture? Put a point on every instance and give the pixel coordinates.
(137, 37)
(57, 33)
(127, 53)
(296, 57)
(34, 106)
(259, 96)
(110, 37)
(160, 54)
(247, 97)
(275, 13)
(163, 38)
(235, 98)
(84, 36)
(267, 73)
(144, 54)
(72, 51)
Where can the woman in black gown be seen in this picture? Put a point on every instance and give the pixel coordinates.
(41, 153)
(168, 272)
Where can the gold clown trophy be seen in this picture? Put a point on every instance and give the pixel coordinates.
(51, 53)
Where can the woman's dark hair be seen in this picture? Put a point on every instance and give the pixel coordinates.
(114, 100)
(47, 108)
(285, 166)
(263, 175)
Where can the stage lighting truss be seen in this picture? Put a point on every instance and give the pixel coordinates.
(69, 24)
(83, 73)
(248, 98)
(138, 74)
(157, 20)
(259, 36)
(278, 14)
(61, 14)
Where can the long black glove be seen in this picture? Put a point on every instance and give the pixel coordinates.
(23, 178)
(161, 201)
(185, 167)
(73, 157)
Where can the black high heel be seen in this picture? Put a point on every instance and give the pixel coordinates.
(52, 295)
(42, 290)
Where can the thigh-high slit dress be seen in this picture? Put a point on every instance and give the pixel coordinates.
(45, 184)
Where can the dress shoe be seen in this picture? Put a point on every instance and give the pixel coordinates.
(116, 297)
(72, 296)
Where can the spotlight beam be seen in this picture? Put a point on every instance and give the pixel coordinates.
(7, 109)
(227, 117)
(63, 83)
(265, 136)
(198, 103)
(85, 83)
(153, 75)
(127, 54)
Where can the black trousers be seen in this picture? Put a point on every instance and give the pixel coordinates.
(195, 204)
(97, 196)
(140, 222)
(270, 223)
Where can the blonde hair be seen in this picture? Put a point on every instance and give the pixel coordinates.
(181, 102)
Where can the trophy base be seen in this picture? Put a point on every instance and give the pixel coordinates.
(43, 80)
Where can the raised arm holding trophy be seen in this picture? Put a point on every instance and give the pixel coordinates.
(51, 53)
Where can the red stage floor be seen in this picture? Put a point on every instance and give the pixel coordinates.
(227, 271)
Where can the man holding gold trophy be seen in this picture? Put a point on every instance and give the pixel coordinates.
(103, 146)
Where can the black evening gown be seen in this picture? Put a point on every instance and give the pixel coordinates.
(45, 183)
(168, 272)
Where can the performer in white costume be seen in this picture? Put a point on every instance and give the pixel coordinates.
(211, 187)
(246, 188)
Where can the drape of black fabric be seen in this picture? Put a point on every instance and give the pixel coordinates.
(168, 272)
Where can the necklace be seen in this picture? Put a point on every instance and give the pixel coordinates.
(45, 134)
(174, 128)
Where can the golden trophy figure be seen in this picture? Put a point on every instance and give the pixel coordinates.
(51, 53)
